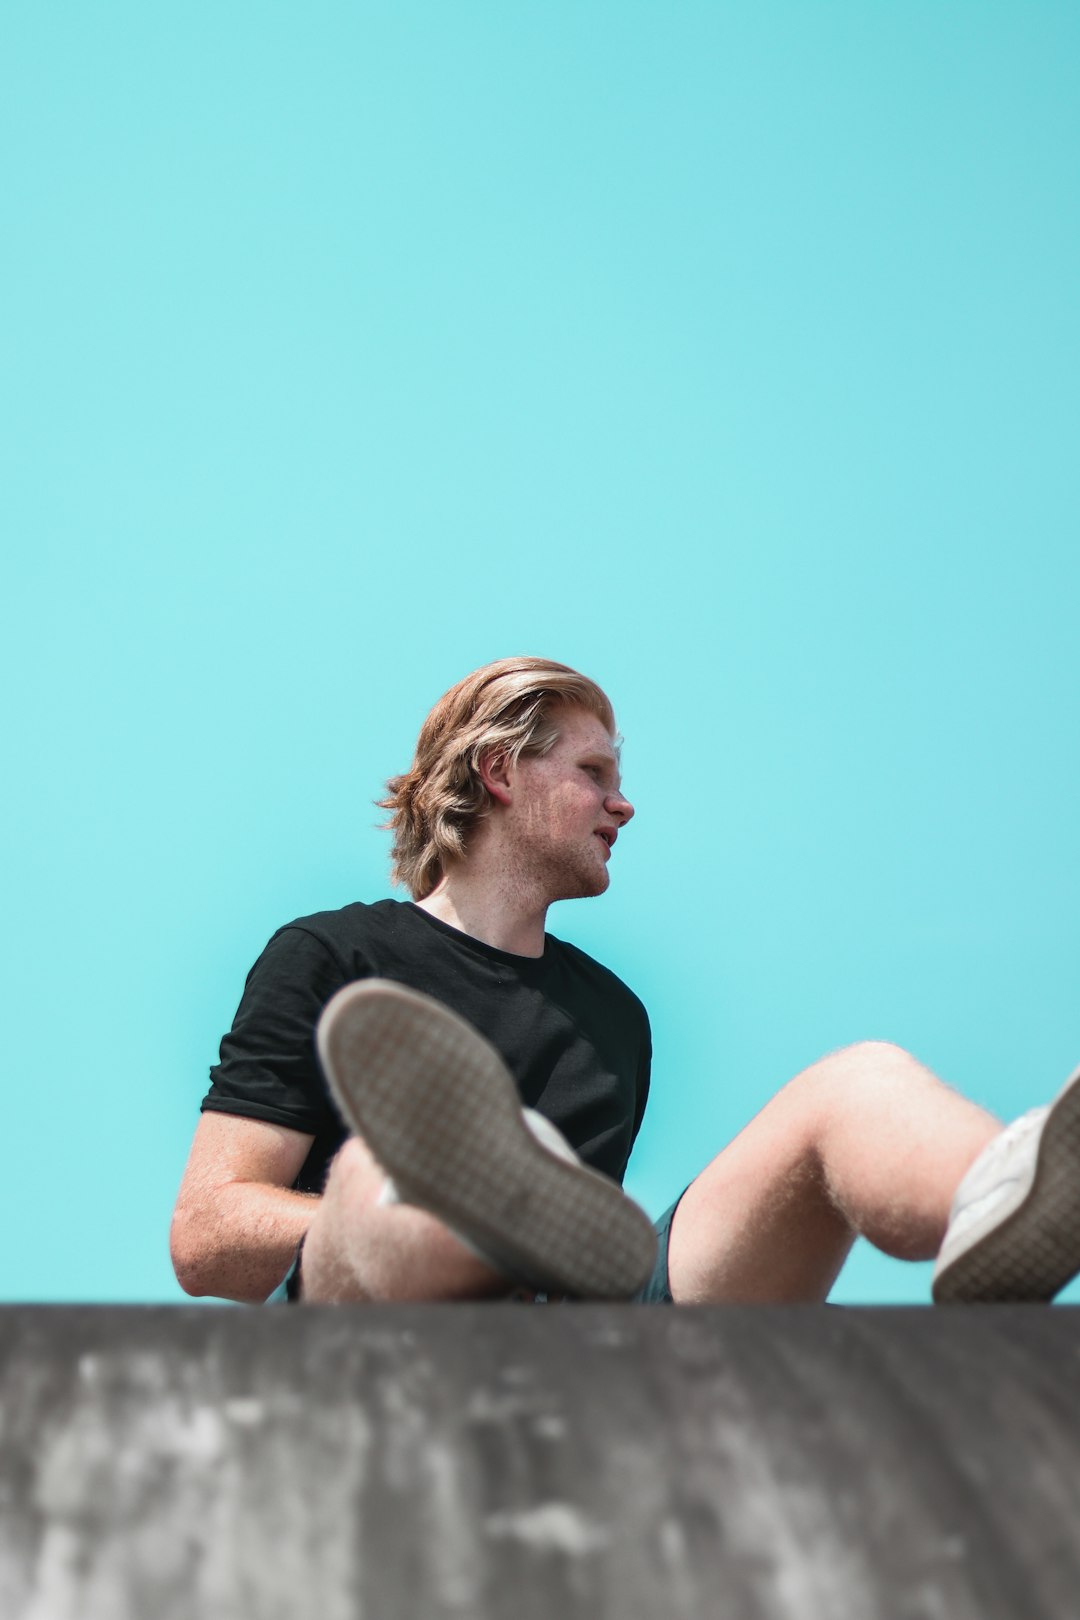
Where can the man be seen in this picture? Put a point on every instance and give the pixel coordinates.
(465, 1124)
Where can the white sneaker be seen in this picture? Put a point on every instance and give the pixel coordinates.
(546, 1133)
(441, 1113)
(1014, 1226)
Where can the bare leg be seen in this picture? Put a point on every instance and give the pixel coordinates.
(865, 1142)
(435, 1105)
(357, 1249)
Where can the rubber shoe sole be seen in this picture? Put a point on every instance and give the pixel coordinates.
(441, 1113)
(1028, 1253)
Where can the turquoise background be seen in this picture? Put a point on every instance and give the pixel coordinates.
(728, 352)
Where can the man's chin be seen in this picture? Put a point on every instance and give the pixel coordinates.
(586, 885)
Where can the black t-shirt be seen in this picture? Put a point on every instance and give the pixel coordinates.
(574, 1037)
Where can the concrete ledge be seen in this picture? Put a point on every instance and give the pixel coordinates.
(532, 1462)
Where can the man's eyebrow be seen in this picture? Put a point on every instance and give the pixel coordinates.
(605, 756)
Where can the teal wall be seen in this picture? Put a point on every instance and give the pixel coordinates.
(729, 352)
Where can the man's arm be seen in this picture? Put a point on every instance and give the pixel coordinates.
(237, 1220)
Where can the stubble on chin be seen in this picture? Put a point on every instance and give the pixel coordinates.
(582, 882)
(561, 879)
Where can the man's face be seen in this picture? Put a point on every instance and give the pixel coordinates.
(568, 807)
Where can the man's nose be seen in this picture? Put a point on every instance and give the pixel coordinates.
(617, 804)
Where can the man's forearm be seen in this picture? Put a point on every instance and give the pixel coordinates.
(239, 1241)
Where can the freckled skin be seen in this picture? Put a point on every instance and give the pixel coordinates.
(238, 1221)
(562, 799)
(864, 1141)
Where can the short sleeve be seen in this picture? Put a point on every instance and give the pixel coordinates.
(268, 1067)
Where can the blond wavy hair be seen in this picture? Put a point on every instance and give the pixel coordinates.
(508, 709)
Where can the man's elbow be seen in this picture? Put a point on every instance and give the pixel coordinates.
(188, 1251)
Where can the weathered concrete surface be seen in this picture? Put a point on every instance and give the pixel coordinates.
(530, 1462)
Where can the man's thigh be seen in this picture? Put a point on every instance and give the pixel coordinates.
(757, 1225)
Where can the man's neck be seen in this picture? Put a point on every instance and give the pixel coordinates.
(493, 917)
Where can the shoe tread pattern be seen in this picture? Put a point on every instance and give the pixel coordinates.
(1032, 1255)
(442, 1115)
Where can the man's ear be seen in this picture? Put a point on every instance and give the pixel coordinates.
(495, 775)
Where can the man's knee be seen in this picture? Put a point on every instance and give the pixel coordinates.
(361, 1249)
(866, 1061)
(353, 1165)
(843, 1083)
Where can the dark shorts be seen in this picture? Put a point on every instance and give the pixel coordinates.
(287, 1291)
(657, 1291)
